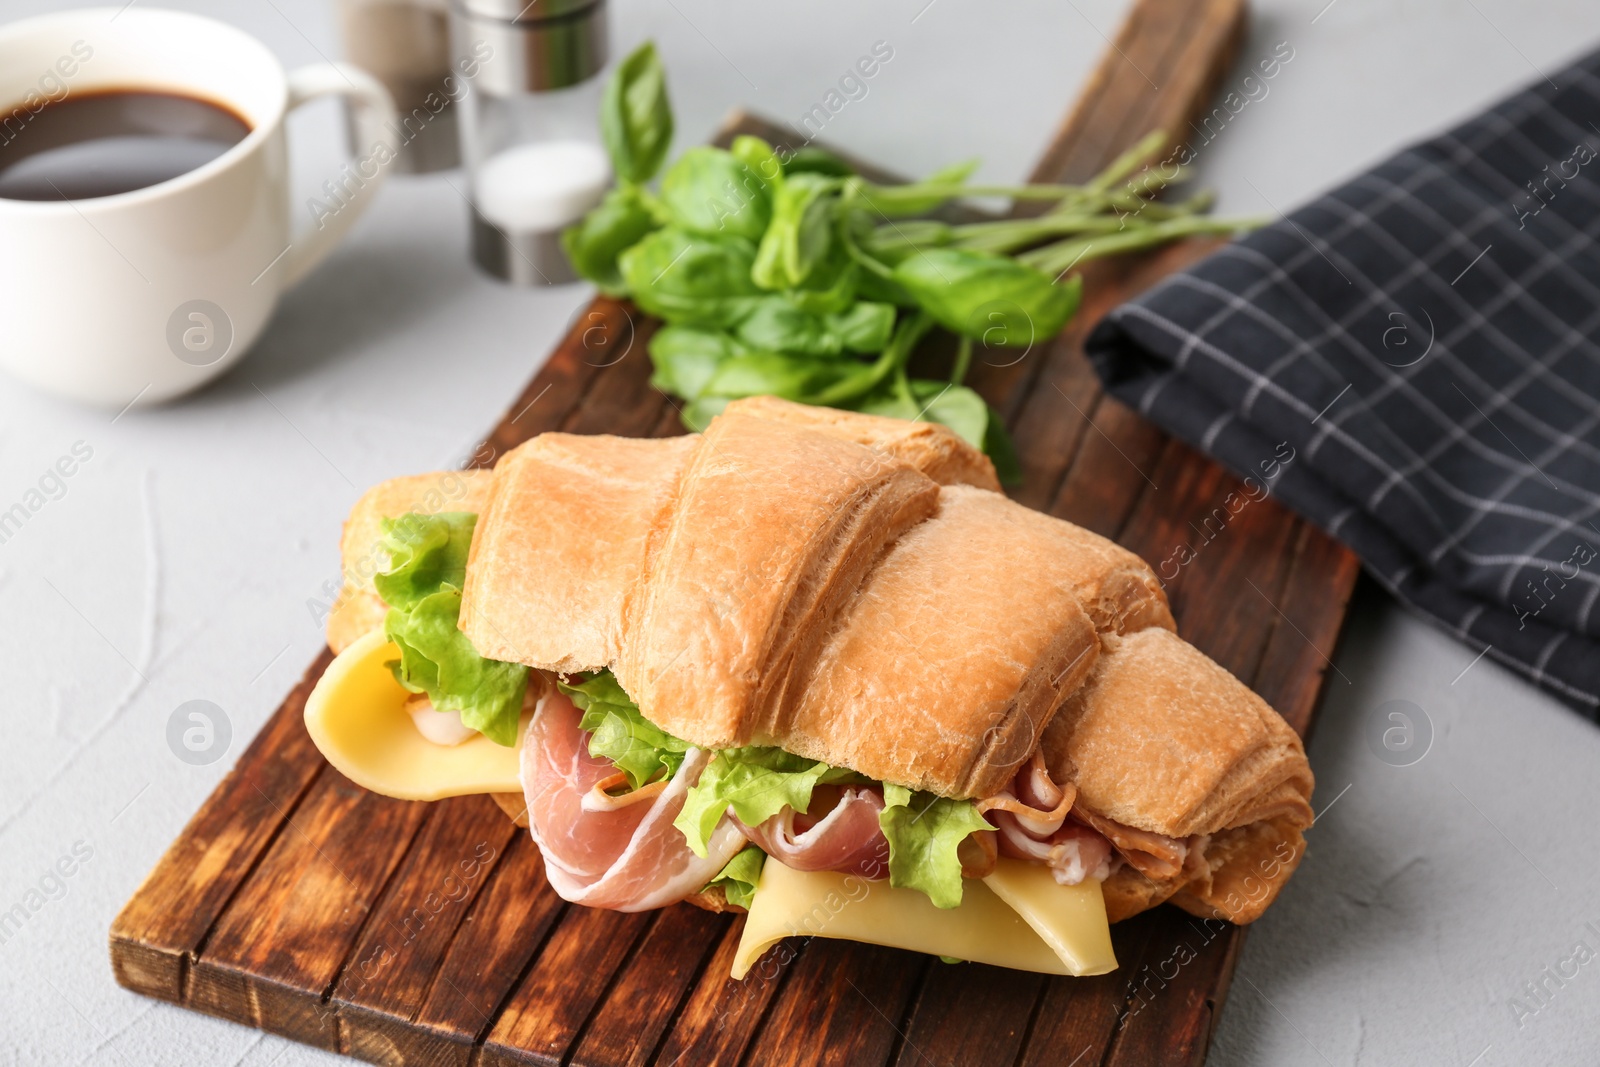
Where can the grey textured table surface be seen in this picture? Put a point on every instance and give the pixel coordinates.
(179, 562)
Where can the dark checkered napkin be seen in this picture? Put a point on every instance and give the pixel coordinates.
(1426, 339)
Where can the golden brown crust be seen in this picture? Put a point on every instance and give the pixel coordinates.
(359, 610)
(773, 526)
(1163, 739)
(712, 898)
(561, 544)
(1127, 893)
(947, 664)
(515, 805)
(1246, 868)
(1117, 588)
(935, 450)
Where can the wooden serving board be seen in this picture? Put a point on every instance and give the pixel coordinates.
(408, 933)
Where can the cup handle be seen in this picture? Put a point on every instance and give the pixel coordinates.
(374, 113)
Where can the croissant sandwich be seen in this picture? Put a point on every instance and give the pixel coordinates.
(813, 665)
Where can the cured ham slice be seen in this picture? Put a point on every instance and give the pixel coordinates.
(1073, 853)
(1032, 814)
(1155, 856)
(1042, 821)
(840, 833)
(618, 855)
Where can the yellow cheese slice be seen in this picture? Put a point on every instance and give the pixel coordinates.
(1071, 919)
(356, 716)
(1007, 919)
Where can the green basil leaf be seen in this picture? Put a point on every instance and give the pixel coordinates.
(636, 116)
(800, 235)
(690, 279)
(987, 297)
(775, 324)
(758, 155)
(620, 733)
(741, 876)
(708, 191)
(791, 377)
(685, 358)
(874, 287)
(831, 289)
(924, 832)
(595, 242)
(954, 406)
(865, 328)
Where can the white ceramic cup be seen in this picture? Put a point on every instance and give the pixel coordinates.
(144, 295)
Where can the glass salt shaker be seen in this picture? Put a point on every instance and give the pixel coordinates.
(530, 129)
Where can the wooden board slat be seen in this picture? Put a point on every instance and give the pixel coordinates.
(293, 924)
(400, 957)
(968, 1013)
(1074, 1021)
(505, 931)
(219, 848)
(648, 991)
(840, 1005)
(426, 934)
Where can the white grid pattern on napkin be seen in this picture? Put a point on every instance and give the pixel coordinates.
(1461, 478)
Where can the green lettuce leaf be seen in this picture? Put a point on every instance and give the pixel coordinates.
(741, 876)
(425, 552)
(638, 747)
(924, 831)
(756, 783)
(422, 586)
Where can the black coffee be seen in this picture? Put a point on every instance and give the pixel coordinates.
(103, 143)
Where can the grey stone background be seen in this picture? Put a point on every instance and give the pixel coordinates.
(178, 563)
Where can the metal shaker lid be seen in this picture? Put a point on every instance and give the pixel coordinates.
(534, 46)
(526, 10)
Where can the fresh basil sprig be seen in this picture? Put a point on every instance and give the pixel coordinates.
(787, 273)
(988, 298)
(636, 116)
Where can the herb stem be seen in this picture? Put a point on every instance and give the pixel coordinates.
(1014, 234)
(906, 335)
(1055, 258)
(958, 374)
(902, 385)
(847, 197)
(1129, 161)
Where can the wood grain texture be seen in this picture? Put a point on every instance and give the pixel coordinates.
(426, 935)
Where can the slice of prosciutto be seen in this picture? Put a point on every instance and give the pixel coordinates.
(621, 853)
(1073, 852)
(1042, 821)
(840, 832)
(1034, 817)
(1153, 855)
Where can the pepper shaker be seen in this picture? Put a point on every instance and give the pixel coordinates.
(405, 44)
